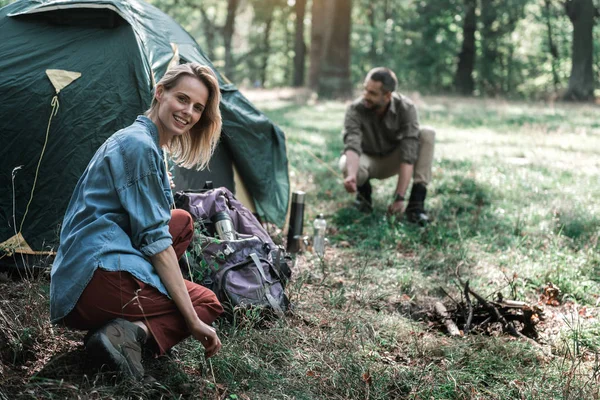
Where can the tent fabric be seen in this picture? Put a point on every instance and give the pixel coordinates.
(120, 48)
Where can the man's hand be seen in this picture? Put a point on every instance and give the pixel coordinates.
(208, 337)
(396, 208)
(350, 184)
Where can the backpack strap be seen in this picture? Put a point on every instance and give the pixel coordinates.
(268, 295)
(277, 266)
(281, 266)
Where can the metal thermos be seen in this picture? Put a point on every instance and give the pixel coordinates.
(223, 226)
(296, 222)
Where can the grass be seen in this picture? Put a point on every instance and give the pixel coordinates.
(514, 207)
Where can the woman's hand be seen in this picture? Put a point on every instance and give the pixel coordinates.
(207, 336)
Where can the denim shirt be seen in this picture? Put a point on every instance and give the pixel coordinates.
(117, 218)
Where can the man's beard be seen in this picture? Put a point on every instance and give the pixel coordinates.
(372, 106)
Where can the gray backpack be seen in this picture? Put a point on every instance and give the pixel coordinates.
(249, 272)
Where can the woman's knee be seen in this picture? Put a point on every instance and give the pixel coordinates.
(205, 302)
(200, 294)
(181, 224)
(182, 218)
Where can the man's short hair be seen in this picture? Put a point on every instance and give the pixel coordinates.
(386, 76)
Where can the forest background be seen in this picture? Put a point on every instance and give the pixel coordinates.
(533, 49)
(536, 49)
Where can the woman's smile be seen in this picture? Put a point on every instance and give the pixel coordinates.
(179, 108)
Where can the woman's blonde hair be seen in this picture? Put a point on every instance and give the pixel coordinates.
(195, 148)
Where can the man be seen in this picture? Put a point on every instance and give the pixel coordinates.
(382, 138)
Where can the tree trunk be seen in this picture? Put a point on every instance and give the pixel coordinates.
(388, 37)
(581, 83)
(489, 47)
(209, 28)
(551, 45)
(508, 83)
(266, 47)
(373, 25)
(330, 48)
(228, 30)
(299, 45)
(318, 32)
(289, 47)
(463, 81)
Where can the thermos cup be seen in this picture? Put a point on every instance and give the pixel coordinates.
(223, 226)
(294, 235)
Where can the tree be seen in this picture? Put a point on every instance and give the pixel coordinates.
(263, 16)
(330, 48)
(228, 30)
(436, 44)
(552, 48)
(318, 36)
(208, 28)
(581, 82)
(464, 82)
(497, 63)
(299, 45)
(489, 49)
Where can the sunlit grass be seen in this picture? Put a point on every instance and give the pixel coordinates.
(514, 207)
(517, 179)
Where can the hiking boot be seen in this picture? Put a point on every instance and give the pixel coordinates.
(415, 210)
(118, 344)
(363, 200)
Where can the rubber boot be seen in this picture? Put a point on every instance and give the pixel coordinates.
(363, 199)
(415, 210)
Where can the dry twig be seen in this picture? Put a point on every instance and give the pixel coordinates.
(467, 326)
(443, 314)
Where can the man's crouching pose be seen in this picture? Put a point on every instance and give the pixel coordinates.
(382, 138)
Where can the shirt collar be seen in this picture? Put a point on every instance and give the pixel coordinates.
(142, 119)
(393, 108)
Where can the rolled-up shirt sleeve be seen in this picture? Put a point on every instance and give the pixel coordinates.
(409, 150)
(149, 215)
(352, 133)
(410, 120)
(409, 141)
(146, 204)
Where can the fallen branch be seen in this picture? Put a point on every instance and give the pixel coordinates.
(508, 326)
(443, 314)
(514, 304)
(467, 326)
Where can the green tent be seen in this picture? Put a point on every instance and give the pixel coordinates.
(75, 71)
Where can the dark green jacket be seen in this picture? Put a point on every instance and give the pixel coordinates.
(365, 132)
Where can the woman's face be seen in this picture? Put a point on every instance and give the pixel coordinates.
(180, 107)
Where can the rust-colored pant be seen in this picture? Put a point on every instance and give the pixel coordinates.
(111, 295)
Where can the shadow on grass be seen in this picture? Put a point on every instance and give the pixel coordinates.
(461, 210)
(71, 374)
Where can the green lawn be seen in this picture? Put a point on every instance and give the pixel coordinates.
(514, 208)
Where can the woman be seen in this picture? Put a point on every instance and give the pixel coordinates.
(116, 273)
